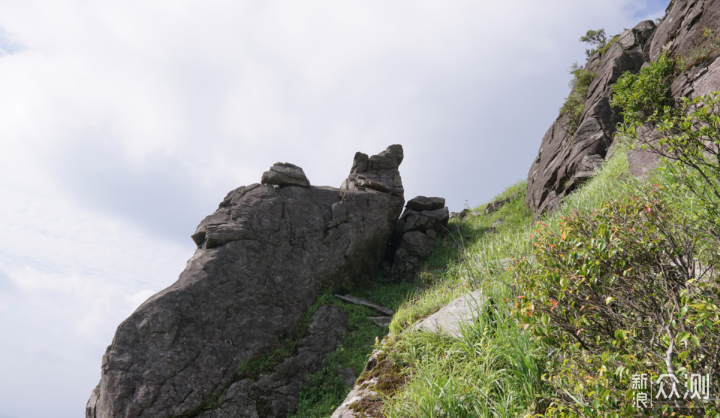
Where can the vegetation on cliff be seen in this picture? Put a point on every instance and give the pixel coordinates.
(574, 104)
(620, 281)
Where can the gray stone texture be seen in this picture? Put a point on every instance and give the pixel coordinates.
(274, 395)
(494, 206)
(452, 317)
(261, 260)
(459, 215)
(556, 171)
(420, 203)
(285, 174)
(378, 174)
(415, 236)
(363, 391)
(561, 156)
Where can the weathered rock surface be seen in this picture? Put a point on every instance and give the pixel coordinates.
(563, 159)
(415, 235)
(363, 401)
(261, 259)
(285, 174)
(459, 215)
(451, 317)
(558, 169)
(274, 395)
(378, 173)
(680, 32)
(421, 203)
(494, 206)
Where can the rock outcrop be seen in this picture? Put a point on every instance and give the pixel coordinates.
(415, 234)
(681, 31)
(563, 161)
(262, 258)
(496, 205)
(285, 174)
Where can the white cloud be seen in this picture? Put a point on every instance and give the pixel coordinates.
(123, 124)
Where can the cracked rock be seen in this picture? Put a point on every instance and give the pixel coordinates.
(262, 258)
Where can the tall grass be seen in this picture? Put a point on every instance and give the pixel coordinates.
(494, 369)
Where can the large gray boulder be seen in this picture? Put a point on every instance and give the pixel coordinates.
(562, 156)
(285, 174)
(262, 258)
(415, 235)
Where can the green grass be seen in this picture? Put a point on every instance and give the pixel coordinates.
(324, 391)
(495, 368)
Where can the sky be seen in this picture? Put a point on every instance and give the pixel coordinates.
(123, 124)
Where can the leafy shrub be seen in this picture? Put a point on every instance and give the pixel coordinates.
(645, 94)
(621, 290)
(689, 136)
(575, 103)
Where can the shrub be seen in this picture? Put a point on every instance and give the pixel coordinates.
(645, 94)
(621, 290)
(689, 136)
(596, 39)
(575, 103)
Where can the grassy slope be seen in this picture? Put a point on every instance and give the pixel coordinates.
(495, 369)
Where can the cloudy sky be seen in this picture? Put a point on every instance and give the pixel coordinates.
(123, 124)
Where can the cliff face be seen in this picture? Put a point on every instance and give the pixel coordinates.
(680, 32)
(564, 161)
(262, 258)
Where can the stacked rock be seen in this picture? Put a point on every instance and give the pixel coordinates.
(415, 234)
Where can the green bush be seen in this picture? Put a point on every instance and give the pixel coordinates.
(688, 136)
(575, 103)
(645, 94)
(625, 289)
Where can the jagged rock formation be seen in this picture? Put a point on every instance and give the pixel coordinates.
(262, 258)
(415, 234)
(273, 395)
(681, 31)
(378, 174)
(564, 160)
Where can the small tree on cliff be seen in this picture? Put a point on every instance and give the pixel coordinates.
(595, 38)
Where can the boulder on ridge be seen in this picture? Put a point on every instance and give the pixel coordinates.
(285, 174)
(262, 258)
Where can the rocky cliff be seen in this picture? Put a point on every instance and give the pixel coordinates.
(565, 159)
(261, 261)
